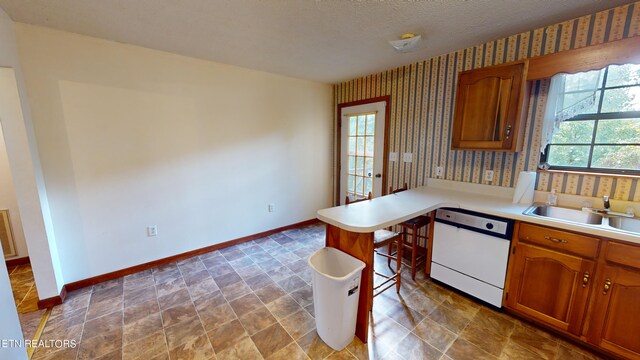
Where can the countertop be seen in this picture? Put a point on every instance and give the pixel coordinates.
(382, 212)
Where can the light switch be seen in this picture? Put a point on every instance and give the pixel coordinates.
(393, 156)
(407, 157)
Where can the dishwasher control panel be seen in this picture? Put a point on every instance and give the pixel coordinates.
(487, 224)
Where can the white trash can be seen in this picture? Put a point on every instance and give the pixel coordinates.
(336, 284)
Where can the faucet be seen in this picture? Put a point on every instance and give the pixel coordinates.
(607, 209)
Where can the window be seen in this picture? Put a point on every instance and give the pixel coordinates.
(605, 135)
(361, 149)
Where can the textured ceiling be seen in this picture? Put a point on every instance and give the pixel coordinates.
(328, 41)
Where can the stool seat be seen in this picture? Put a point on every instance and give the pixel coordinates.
(418, 221)
(381, 237)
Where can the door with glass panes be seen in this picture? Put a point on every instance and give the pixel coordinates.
(362, 149)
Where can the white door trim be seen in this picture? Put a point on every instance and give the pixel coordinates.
(382, 104)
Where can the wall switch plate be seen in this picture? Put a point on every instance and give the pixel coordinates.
(439, 171)
(488, 175)
(393, 156)
(271, 207)
(407, 157)
(152, 230)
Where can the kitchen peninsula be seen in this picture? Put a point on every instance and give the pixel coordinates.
(350, 228)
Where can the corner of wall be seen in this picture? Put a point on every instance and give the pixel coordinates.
(25, 166)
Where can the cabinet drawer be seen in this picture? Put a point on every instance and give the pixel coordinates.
(623, 254)
(556, 239)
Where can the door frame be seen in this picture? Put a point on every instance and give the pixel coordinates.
(385, 150)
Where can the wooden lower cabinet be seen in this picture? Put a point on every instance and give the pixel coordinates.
(579, 284)
(550, 286)
(615, 321)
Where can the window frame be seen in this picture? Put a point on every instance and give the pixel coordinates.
(596, 118)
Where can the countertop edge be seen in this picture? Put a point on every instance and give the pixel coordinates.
(516, 214)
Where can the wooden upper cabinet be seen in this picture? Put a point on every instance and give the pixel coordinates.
(615, 325)
(488, 108)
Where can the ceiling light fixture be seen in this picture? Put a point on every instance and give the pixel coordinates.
(408, 42)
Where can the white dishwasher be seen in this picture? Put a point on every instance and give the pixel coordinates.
(471, 251)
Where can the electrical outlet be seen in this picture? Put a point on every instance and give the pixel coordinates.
(407, 157)
(271, 207)
(439, 171)
(152, 230)
(488, 175)
(393, 156)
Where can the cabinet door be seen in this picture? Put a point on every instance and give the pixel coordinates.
(488, 106)
(615, 323)
(550, 286)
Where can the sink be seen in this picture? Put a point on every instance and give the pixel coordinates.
(627, 224)
(585, 217)
(560, 213)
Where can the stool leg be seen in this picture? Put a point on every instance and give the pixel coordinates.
(399, 261)
(414, 252)
(389, 253)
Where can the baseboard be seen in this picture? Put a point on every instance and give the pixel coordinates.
(18, 261)
(137, 268)
(53, 301)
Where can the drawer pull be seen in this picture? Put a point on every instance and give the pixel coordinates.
(555, 240)
(585, 279)
(607, 286)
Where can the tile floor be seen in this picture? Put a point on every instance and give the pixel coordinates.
(254, 301)
(26, 298)
(23, 286)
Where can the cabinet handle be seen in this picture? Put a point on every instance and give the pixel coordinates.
(508, 131)
(585, 279)
(607, 286)
(555, 240)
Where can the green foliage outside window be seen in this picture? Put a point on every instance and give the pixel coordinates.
(606, 136)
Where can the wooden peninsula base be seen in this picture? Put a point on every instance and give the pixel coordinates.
(360, 246)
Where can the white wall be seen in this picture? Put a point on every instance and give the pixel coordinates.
(10, 329)
(9, 201)
(130, 137)
(24, 164)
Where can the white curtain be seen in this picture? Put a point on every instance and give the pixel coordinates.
(569, 95)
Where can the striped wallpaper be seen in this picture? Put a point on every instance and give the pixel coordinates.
(422, 103)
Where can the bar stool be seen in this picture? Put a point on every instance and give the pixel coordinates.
(411, 229)
(383, 238)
